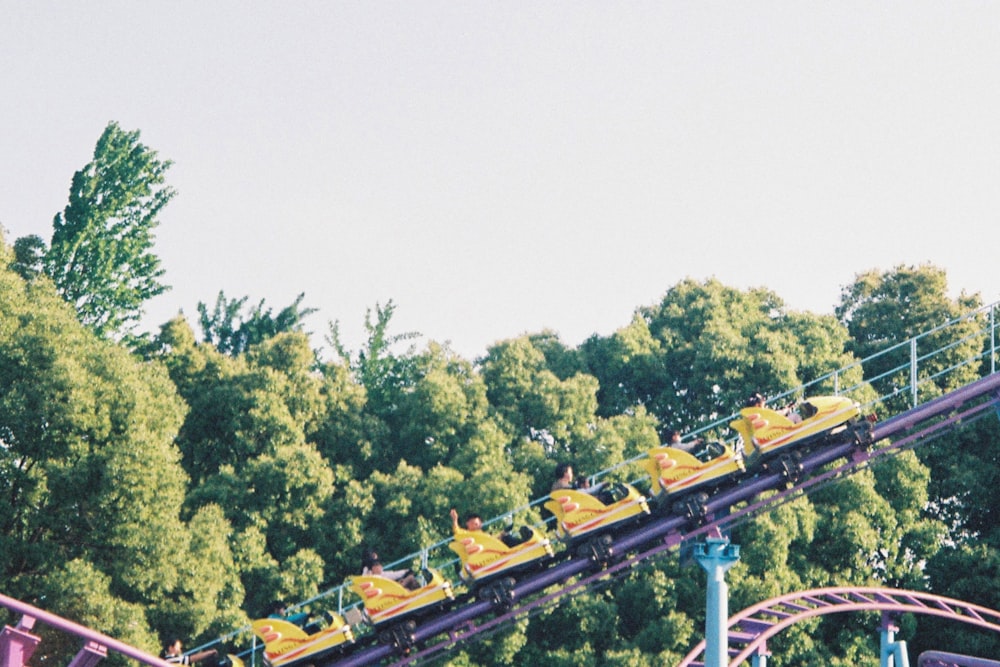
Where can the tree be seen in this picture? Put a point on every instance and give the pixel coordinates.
(252, 445)
(883, 309)
(80, 591)
(100, 257)
(551, 420)
(694, 357)
(208, 598)
(233, 332)
(91, 487)
(441, 411)
(386, 376)
(83, 424)
(383, 372)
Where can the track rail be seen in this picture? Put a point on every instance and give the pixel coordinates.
(943, 659)
(752, 627)
(95, 647)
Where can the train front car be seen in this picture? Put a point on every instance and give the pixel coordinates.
(581, 514)
(767, 432)
(485, 557)
(388, 602)
(288, 645)
(702, 467)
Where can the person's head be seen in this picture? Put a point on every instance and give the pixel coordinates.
(370, 559)
(564, 472)
(175, 647)
(278, 608)
(473, 522)
(673, 436)
(756, 400)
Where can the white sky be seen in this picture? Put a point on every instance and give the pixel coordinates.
(497, 168)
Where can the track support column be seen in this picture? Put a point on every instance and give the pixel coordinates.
(893, 653)
(716, 555)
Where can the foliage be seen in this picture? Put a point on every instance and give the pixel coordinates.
(184, 493)
(100, 255)
(884, 310)
(694, 357)
(232, 332)
(90, 479)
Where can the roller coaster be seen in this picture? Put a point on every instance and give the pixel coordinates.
(606, 530)
(618, 551)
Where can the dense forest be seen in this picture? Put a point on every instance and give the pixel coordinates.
(177, 483)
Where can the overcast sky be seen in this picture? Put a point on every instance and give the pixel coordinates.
(497, 168)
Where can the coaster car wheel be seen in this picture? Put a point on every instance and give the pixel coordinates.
(400, 636)
(693, 507)
(790, 466)
(500, 593)
(598, 549)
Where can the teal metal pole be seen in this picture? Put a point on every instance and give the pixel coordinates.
(893, 653)
(716, 556)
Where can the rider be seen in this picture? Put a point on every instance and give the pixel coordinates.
(474, 523)
(606, 493)
(174, 653)
(698, 448)
(371, 565)
(756, 400)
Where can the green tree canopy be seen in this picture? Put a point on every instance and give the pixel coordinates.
(232, 331)
(274, 468)
(101, 254)
(91, 487)
(882, 309)
(694, 357)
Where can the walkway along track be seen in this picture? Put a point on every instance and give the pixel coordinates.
(658, 535)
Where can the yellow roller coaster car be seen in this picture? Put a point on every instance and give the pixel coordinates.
(765, 432)
(580, 513)
(484, 556)
(287, 645)
(676, 472)
(387, 601)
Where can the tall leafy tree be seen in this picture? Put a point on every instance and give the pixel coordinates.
(83, 424)
(349, 433)
(386, 374)
(551, 420)
(694, 357)
(382, 370)
(233, 331)
(247, 445)
(91, 489)
(441, 411)
(100, 256)
(882, 310)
